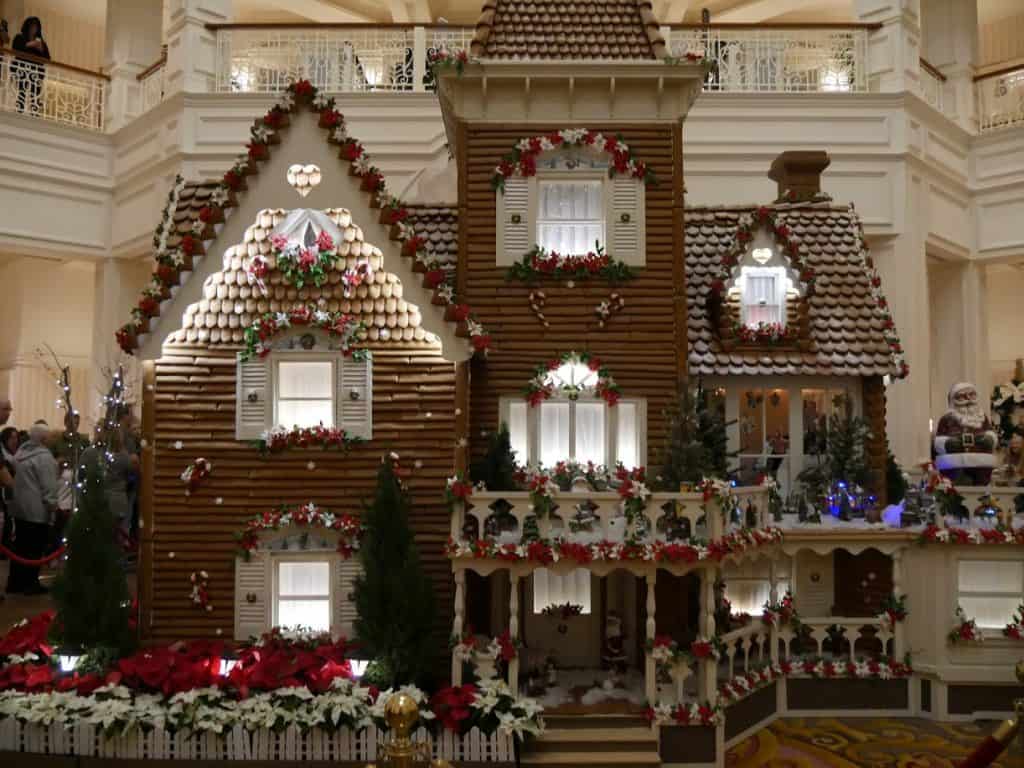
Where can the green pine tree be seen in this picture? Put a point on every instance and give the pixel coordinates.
(394, 598)
(697, 442)
(895, 482)
(496, 468)
(91, 593)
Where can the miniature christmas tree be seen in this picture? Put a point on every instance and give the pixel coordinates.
(697, 443)
(895, 481)
(496, 469)
(842, 470)
(394, 598)
(91, 593)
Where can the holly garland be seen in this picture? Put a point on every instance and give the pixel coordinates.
(899, 357)
(300, 265)
(540, 386)
(522, 161)
(966, 630)
(666, 652)
(686, 714)
(1015, 628)
(339, 326)
(933, 534)
(894, 611)
(538, 264)
(280, 439)
(545, 552)
(445, 58)
(301, 516)
(765, 333)
(264, 133)
(781, 613)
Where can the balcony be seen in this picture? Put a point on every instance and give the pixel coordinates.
(1000, 96)
(52, 91)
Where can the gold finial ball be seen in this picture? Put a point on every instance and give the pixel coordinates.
(401, 712)
(1020, 671)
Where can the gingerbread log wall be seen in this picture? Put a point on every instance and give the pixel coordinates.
(643, 345)
(194, 402)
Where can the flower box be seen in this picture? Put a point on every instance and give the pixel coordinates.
(291, 743)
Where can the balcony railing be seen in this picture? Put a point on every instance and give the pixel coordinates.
(1000, 96)
(933, 83)
(782, 58)
(342, 58)
(52, 91)
(152, 84)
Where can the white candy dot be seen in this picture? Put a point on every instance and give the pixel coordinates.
(170, 555)
(311, 465)
(219, 500)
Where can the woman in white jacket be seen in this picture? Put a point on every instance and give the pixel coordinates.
(34, 506)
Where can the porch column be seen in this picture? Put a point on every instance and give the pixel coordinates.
(133, 36)
(460, 612)
(773, 598)
(191, 47)
(513, 629)
(707, 680)
(650, 668)
(898, 641)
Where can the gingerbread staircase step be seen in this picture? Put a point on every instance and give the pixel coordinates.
(596, 741)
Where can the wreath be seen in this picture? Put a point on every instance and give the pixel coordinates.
(344, 328)
(522, 161)
(541, 388)
(194, 475)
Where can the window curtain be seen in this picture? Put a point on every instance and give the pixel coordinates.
(590, 433)
(558, 589)
(761, 299)
(554, 433)
(569, 216)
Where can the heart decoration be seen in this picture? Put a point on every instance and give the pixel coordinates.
(538, 299)
(303, 178)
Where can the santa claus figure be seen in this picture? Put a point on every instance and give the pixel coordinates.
(965, 439)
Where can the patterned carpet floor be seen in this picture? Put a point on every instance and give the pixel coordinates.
(858, 742)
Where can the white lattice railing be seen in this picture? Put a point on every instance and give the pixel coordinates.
(781, 59)
(338, 59)
(152, 85)
(52, 91)
(932, 85)
(504, 516)
(88, 740)
(1000, 97)
(842, 637)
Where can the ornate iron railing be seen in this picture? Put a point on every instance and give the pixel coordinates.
(1000, 97)
(342, 58)
(777, 58)
(933, 83)
(51, 91)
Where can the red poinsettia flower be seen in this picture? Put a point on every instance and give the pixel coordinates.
(460, 312)
(302, 88)
(257, 150)
(435, 278)
(351, 150)
(274, 119)
(188, 245)
(481, 343)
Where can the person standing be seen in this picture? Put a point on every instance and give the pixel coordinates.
(30, 71)
(121, 467)
(35, 503)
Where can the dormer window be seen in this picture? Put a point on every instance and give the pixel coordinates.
(763, 283)
(763, 291)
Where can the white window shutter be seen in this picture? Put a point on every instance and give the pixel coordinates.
(344, 598)
(354, 401)
(253, 404)
(626, 220)
(515, 233)
(252, 595)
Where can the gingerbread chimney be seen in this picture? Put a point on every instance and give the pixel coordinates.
(798, 174)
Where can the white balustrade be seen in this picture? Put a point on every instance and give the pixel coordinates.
(338, 59)
(1000, 97)
(932, 85)
(52, 91)
(844, 632)
(976, 498)
(152, 86)
(749, 59)
(752, 643)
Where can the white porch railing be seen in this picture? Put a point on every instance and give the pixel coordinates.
(933, 83)
(847, 637)
(1000, 96)
(152, 85)
(341, 58)
(504, 516)
(785, 59)
(977, 500)
(52, 91)
(752, 643)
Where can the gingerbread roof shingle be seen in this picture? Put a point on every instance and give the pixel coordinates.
(231, 303)
(568, 29)
(848, 330)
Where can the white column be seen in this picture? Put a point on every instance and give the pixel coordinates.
(894, 50)
(134, 33)
(949, 41)
(457, 622)
(650, 668)
(974, 295)
(191, 48)
(898, 632)
(707, 669)
(513, 628)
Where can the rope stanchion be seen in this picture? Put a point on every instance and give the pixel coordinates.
(993, 746)
(15, 557)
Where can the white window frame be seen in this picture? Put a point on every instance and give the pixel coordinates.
(276, 358)
(611, 426)
(781, 280)
(993, 631)
(322, 556)
(567, 175)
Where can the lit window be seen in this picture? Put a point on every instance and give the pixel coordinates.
(304, 396)
(764, 295)
(303, 594)
(570, 216)
(989, 591)
(553, 589)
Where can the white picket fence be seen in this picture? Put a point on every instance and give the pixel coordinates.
(87, 740)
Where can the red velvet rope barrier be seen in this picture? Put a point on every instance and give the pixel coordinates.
(984, 755)
(32, 563)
